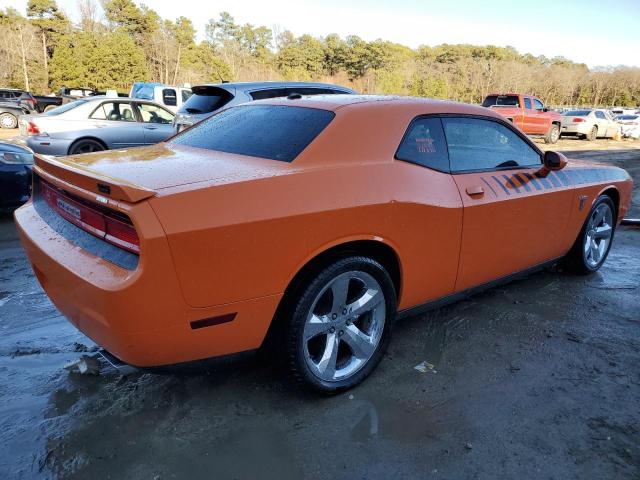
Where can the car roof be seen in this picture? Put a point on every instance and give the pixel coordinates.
(424, 105)
(271, 84)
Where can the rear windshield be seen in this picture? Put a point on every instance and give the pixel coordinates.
(627, 117)
(206, 100)
(65, 107)
(275, 132)
(501, 101)
(577, 113)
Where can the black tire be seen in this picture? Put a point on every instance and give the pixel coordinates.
(296, 345)
(8, 120)
(86, 145)
(553, 135)
(592, 135)
(576, 260)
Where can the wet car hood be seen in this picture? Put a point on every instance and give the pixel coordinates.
(164, 165)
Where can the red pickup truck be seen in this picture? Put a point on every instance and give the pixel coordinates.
(528, 113)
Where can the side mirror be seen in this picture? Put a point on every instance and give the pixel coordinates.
(545, 109)
(551, 162)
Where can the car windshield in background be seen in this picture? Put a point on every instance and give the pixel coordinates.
(501, 101)
(627, 117)
(577, 113)
(65, 108)
(266, 131)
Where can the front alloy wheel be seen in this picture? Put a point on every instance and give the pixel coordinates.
(598, 235)
(592, 246)
(341, 325)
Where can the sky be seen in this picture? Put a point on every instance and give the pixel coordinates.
(594, 32)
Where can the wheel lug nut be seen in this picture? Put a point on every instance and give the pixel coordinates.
(334, 316)
(332, 329)
(344, 311)
(348, 322)
(340, 333)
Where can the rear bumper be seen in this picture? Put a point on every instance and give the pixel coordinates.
(46, 145)
(138, 315)
(576, 129)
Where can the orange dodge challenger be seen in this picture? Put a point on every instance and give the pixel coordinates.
(314, 220)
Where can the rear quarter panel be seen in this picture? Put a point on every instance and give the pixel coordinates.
(248, 240)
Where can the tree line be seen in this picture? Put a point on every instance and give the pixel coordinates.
(123, 42)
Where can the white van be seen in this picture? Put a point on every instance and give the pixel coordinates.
(169, 96)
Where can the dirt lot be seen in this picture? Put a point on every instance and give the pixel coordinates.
(538, 379)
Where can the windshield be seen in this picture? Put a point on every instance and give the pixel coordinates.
(65, 108)
(627, 117)
(501, 101)
(275, 132)
(577, 113)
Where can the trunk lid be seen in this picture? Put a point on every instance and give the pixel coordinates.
(139, 173)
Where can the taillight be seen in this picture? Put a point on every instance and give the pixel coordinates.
(32, 129)
(578, 120)
(122, 234)
(102, 224)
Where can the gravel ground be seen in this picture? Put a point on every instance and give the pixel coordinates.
(537, 379)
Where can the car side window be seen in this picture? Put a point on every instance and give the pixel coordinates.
(154, 114)
(169, 97)
(599, 114)
(186, 94)
(268, 93)
(118, 112)
(479, 144)
(527, 103)
(538, 104)
(424, 144)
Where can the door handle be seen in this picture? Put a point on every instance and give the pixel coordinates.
(475, 191)
(151, 127)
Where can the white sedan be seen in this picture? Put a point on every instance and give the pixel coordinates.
(589, 124)
(630, 125)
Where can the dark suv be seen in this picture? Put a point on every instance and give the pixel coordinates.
(208, 99)
(18, 97)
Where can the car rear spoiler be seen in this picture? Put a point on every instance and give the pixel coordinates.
(87, 179)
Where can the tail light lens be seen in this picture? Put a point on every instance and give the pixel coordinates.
(32, 129)
(578, 120)
(112, 227)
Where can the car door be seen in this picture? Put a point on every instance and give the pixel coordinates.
(539, 117)
(529, 117)
(157, 122)
(601, 123)
(116, 124)
(512, 219)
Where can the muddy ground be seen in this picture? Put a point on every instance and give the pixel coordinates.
(537, 379)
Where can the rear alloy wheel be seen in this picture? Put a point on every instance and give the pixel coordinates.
(341, 325)
(85, 146)
(8, 120)
(553, 135)
(593, 134)
(594, 242)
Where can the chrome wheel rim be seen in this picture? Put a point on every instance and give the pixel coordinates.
(555, 134)
(7, 122)
(344, 326)
(598, 235)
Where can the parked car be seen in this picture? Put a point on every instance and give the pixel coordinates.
(19, 97)
(96, 123)
(315, 219)
(210, 98)
(622, 111)
(15, 175)
(47, 102)
(629, 125)
(526, 112)
(9, 114)
(169, 96)
(589, 124)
